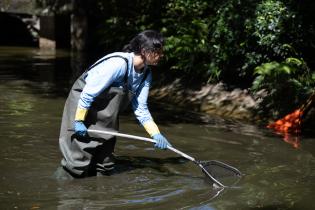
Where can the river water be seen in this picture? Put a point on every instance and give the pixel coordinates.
(34, 85)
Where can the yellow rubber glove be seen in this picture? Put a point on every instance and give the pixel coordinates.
(160, 141)
(151, 128)
(80, 114)
(79, 127)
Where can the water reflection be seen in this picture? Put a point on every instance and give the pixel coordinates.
(292, 139)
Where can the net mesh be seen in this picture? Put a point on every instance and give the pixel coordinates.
(223, 173)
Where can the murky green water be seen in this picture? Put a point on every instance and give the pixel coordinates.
(33, 86)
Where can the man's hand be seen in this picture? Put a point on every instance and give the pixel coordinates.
(79, 128)
(161, 141)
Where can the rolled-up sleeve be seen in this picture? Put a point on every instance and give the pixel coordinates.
(99, 78)
(140, 101)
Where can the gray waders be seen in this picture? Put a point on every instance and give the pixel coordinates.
(92, 155)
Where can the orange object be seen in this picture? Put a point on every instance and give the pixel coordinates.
(291, 123)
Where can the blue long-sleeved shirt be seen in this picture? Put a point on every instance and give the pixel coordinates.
(111, 72)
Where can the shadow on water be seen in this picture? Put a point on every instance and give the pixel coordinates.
(46, 72)
(129, 163)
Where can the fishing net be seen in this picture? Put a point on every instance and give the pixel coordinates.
(220, 173)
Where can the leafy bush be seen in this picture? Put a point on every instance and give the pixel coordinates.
(228, 40)
(114, 23)
(186, 26)
(286, 83)
(248, 33)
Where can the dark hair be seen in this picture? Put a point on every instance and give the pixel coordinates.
(148, 40)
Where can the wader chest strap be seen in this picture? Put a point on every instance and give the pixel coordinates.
(118, 56)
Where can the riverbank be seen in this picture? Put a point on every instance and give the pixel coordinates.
(219, 100)
(213, 99)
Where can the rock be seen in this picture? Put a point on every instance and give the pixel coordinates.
(210, 99)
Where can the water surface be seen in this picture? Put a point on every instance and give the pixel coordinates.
(34, 85)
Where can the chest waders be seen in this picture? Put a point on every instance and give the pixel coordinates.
(92, 155)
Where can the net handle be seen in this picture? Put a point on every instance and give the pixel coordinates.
(113, 133)
(141, 139)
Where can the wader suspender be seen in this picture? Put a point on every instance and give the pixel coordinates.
(119, 56)
(126, 74)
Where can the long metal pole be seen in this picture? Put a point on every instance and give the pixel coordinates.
(168, 147)
(141, 139)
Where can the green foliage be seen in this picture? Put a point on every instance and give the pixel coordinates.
(248, 33)
(116, 22)
(286, 84)
(228, 39)
(269, 23)
(186, 26)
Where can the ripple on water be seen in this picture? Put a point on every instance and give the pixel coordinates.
(139, 187)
